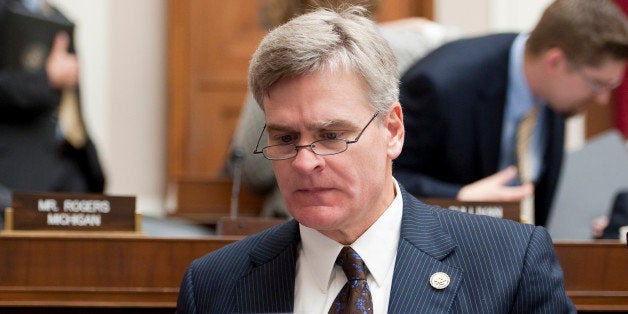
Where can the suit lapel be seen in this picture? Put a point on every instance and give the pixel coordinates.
(490, 114)
(490, 119)
(268, 286)
(423, 246)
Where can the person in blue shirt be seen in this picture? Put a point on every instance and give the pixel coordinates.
(463, 102)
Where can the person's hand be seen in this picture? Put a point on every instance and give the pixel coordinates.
(62, 67)
(494, 188)
(598, 225)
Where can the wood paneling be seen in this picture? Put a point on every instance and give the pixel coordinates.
(244, 226)
(600, 118)
(396, 9)
(81, 270)
(206, 201)
(596, 274)
(210, 43)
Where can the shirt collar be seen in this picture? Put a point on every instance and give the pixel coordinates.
(33, 6)
(377, 246)
(522, 96)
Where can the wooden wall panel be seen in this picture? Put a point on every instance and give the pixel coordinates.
(599, 119)
(209, 138)
(210, 44)
(178, 84)
(395, 9)
(223, 36)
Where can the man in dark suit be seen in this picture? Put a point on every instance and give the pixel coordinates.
(328, 85)
(464, 101)
(618, 217)
(35, 152)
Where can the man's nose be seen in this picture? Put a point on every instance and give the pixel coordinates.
(306, 160)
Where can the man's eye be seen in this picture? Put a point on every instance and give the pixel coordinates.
(286, 139)
(331, 135)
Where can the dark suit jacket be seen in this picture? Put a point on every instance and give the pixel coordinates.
(495, 266)
(618, 216)
(453, 102)
(33, 156)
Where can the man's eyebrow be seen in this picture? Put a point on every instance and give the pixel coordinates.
(279, 128)
(337, 124)
(312, 126)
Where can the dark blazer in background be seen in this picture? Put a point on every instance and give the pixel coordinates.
(33, 155)
(495, 266)
(618, 216)
(453, 103)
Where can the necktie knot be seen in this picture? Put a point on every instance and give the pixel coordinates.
(351, 263)
(355, 296)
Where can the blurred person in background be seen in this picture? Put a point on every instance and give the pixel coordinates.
(464, 102)
(44, 145)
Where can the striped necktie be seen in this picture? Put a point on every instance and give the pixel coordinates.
(70, 121)
(526, 162)
(355, 295)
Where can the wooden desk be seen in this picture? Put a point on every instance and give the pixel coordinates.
(596, 274)
(72, 272)
(69, 273)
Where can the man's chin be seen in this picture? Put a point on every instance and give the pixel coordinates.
(316, 217)
(574, 110)
(572, 113)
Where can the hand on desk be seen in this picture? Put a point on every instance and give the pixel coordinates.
(494, 188)
(598, 225)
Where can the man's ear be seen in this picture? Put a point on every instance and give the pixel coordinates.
(396, 131)
(554, 58)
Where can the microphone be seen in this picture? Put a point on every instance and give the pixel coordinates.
(237, 156)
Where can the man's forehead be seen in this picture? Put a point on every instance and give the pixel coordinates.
(319, 114)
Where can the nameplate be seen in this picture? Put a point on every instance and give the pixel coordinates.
(72, 212)
(504, 210)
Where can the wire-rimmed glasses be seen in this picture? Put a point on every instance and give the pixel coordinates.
(324, 147)
(594, 84)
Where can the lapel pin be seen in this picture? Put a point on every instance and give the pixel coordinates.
(439, 280)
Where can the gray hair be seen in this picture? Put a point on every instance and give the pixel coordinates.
(327, 40)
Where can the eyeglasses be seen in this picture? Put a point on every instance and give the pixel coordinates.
(594, 84)
(324, 147)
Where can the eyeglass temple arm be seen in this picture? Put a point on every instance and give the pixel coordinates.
(257, 151)
(364, 129)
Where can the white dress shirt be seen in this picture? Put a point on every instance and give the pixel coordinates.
(319, 280)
